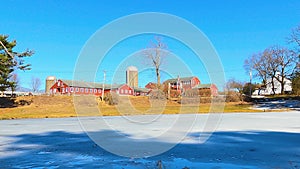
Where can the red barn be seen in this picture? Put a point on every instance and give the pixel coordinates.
(141, 91)
(213, 88)
(183, 83)
(151, 85)
(88, 88)
(122, 89)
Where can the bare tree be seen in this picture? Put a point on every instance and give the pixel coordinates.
(274, 63)
(14, 83)
(235, 85)
(234, 90)
(263, 66)
(258, 65)
(295, 36)
(271, 67)
(35, 84)
(285, 61)
(155, 54)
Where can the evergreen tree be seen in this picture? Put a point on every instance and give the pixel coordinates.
(296, 83)
(10, 61)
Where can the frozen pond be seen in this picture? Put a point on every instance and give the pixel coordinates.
(240, 140)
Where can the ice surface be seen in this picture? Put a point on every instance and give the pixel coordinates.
(241, 140)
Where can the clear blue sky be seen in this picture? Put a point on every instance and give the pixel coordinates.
(57, 30)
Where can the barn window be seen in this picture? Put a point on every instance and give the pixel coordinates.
(71, 89)
(81, 90)
(126, 91)
(66, 89)
(95, 90)
(77, 89)
(122, 91)
(91, 90)
(99, 91)
(63, 90)
(86, 90)
(129, 91)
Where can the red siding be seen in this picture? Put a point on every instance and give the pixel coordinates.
(62, 88)
(151, 85)
(187, 84)
(214, 90)
(59, 87)
(194, 82)
(125, 90)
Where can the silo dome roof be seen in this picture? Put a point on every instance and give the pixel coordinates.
(51, 78)
(132, 68)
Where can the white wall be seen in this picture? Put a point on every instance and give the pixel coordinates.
(277, 86)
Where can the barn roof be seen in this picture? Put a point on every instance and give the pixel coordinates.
(180, 78)
(203, 86)
(138, 89)
(115, 86)
(75, 83)
(132, 68)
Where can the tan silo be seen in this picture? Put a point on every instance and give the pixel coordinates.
(132, 76)
(50, 80)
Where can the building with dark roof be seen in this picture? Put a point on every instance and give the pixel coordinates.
(88, 88)
(212, 87)
(183, 82)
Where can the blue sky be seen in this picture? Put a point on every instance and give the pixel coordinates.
(57, 31)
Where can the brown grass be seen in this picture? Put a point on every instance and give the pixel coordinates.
(63, 106)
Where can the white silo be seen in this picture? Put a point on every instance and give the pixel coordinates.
(132, 76)
(50, 80)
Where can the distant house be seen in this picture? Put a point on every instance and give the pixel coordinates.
(151, 85)
(16, 93)
(212, 87)
(141, 91)
(121, 89)
(183, 82)
(267, 90)
(88, 88)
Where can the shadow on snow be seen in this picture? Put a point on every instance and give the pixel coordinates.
(76, 150)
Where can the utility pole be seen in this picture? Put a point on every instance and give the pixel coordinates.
(178, 81)
(250, 87)
(104, 76)
(169, 92)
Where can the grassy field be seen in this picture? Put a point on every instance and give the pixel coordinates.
(63, 106)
